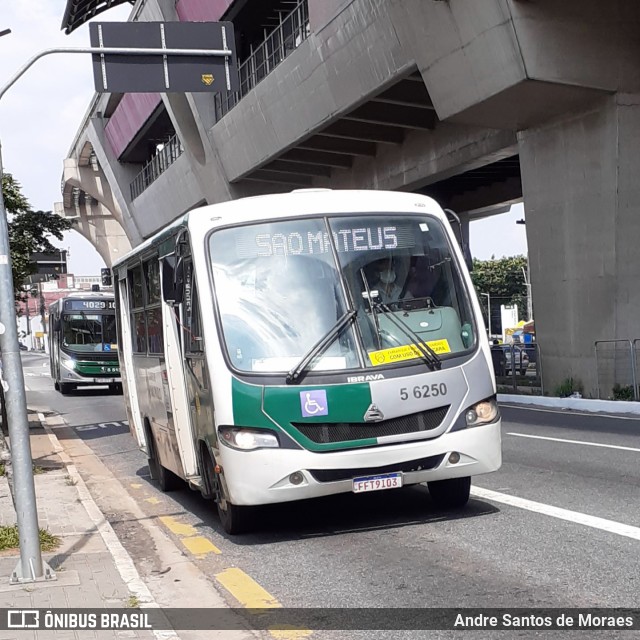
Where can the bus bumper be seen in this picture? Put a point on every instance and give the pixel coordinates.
(262, 476)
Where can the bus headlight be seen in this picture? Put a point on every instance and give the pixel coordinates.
(248, 439)
(483, 412)
(69, 363)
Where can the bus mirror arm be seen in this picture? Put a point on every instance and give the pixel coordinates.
(178, 282)
(168, 283)
(464, 246)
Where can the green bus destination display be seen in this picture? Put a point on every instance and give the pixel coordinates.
(89, 305)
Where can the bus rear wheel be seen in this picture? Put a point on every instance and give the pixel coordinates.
(450, 494)
(167, 480)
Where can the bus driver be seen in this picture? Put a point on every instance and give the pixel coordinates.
(387, 283)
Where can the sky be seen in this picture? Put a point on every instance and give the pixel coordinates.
(41, 114)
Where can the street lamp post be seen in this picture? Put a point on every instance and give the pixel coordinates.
(488, 313)
(30, 566)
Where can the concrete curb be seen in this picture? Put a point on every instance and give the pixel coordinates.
(121, 558)
(574, 404)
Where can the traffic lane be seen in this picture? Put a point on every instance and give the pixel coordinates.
(393, 549)
(84, 406)
(569, 471)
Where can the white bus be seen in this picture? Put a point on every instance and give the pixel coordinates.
(284, 347)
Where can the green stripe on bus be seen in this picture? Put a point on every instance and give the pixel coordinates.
(345, 403)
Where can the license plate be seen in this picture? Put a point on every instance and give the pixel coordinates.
(377, 483)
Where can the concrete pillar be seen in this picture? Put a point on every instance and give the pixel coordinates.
(582, 197)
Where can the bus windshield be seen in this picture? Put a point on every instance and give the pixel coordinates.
(83, 333)
(281, 286)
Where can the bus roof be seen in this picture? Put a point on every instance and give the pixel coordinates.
(87, 294)
(295, 203)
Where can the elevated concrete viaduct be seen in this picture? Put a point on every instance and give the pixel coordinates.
(479, 103)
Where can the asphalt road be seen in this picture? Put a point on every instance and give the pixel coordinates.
(557, 526)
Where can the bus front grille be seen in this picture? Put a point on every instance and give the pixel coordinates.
(335, 475)
(327, 433)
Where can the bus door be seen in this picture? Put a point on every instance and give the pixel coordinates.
(129, 386)
(174, 350)
(196, 373)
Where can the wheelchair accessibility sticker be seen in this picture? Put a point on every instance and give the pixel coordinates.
(314, 403)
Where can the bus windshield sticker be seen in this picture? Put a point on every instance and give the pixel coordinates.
(314, 403)
(406, 352)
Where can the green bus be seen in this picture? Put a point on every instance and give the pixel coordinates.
(83, 350)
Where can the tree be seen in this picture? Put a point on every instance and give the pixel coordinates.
(503, 280)
(29, 231)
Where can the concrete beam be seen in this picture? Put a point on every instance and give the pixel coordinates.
(395, 115)
(321, 158)
(298, 168)
(334, 145)
(264, 175)
(408, 92)
(364, 131)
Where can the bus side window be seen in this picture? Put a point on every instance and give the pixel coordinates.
(138, 319)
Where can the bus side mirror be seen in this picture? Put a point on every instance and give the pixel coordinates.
(168, 281)
(56, 324)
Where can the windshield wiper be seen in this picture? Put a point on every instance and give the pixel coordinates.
(319, 347)
(429, 355)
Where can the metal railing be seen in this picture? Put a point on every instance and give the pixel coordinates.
(518, 367)
(616, 369)
(285, 38)
(151, 171)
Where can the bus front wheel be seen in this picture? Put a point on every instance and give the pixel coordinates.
(233, 518)
(65, 388)
(450, 494)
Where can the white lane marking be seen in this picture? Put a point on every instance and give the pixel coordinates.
(588, 444)
(570, 412)
(562, 514)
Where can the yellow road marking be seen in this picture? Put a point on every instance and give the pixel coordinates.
(246, 590)
(136, 485)
(152, 500)
(199, 545)
(178, 528)
(251, 595)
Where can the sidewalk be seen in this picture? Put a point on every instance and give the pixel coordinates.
(613, 407)
(93, 569)
(86, 571)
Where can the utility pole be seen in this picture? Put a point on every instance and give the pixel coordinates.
(31, 566)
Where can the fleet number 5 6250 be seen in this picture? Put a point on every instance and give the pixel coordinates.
(424, 391)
